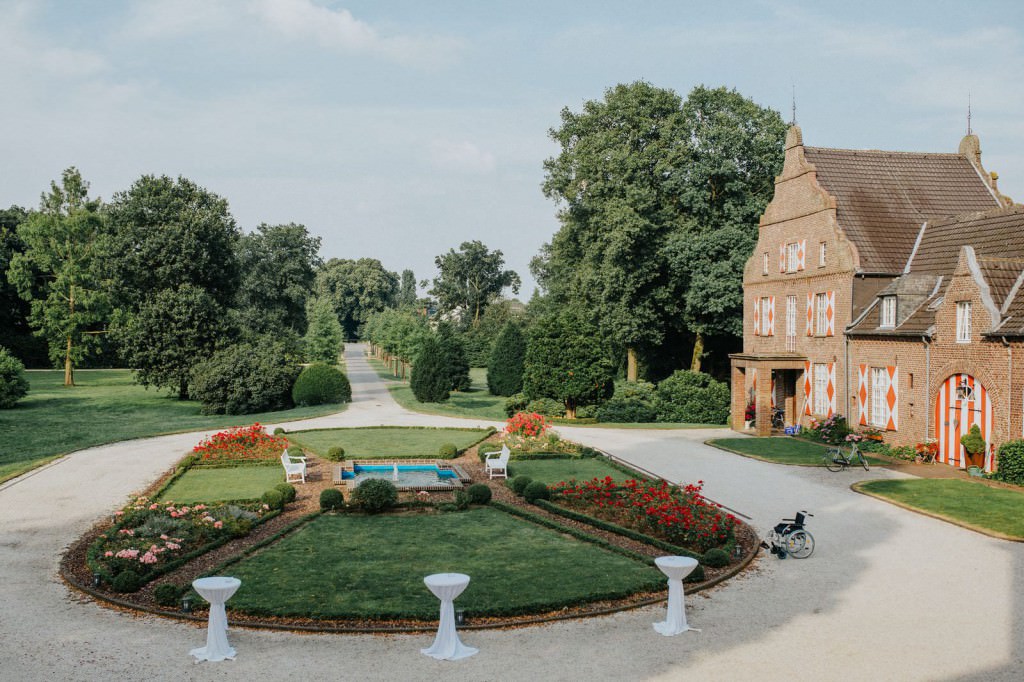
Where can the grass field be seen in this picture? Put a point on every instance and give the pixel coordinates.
(373, 566)
(477, 402)
(554, 470)
(999, 510)
(105, 407)
(200, 484)
(781, 450)
(386, 441)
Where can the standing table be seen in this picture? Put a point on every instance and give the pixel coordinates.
(446, 587)
(216, 590)
(676, 568)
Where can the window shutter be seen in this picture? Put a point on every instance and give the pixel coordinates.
(771, 316)
(862, 394)
(810, 314)
(801, 254)
(831, 389)
(757, 317)
(892, 400)
(807, 387)
(830, 313)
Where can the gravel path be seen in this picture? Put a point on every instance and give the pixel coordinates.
(888, 595)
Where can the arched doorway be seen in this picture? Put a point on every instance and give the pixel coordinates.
(961, 403)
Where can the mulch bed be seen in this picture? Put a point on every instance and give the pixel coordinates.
(76, 573)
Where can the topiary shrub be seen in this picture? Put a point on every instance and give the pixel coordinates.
(715, 558)
(455, 361)
(448, 450)
(516, 403)
(13, 384)
(279, 431)
(287, 491)
(331, 499)
(696, 575)
(537, 490)
(1011, 462)
(430, 381)
(273, 498)
(375, 495)
(248, 377)
(167, 594)
(519, 484)
(505, 366)
(461, 500)
(336, 453)
(479, 493)
(548, 407)
(321, 384)
(973, 441)
(692, 397)
(127, 581)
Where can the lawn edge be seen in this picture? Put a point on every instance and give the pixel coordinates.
(711, 442)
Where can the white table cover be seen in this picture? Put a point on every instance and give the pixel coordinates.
(676, 568)
(216, 590)
(446, 646)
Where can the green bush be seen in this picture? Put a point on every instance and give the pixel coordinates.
(973, 441)
(693, 398)
(287, 491)
(461, 500)
(633, 401)
(1011, 462)
(127, 581)
(715, 558)
(586, 412)
(516, 403)
(336, 453)
(279, 431)
(547, 407)
(448, 450)
(375, 495)
(505, 366)
(167, 594)
(13, 384)
(331, 498)
(537, 490)
(248, 377)
(447, 507)
(454, 353)
(696, 575)
(273, 498)
(321, 384)
(519, 484)
(479, 493)
(430, 380)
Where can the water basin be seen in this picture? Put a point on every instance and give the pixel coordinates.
(404, 476)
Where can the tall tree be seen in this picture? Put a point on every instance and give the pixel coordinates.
(357, 289)
(407, 290)
(15, 331)
(505, 368)
(57, 270)
(324, 336)
(471, 278)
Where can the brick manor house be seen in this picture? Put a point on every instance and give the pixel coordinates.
(887, 287)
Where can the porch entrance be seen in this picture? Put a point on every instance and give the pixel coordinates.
(962, 402)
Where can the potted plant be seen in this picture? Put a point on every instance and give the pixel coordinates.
(750, 414)
(974, 444)
(926, 451)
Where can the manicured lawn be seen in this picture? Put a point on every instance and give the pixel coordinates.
(105, 407)
(995, 509)
(386, 441)
(477, 402)
(373, 566)
(201, 484)
(781, 450)
(555, 470)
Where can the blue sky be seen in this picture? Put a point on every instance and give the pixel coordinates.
(397, 130)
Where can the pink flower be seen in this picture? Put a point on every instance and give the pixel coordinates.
(153, 506)
(172, 545)
(148, 558)
(127, 554)
(218, 524)
(108, 553)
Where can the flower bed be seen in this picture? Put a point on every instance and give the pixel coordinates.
(240, 444)
(680, 516)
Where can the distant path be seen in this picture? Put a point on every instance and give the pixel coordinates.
(888, 595)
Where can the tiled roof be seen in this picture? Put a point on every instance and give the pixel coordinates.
(882, 198)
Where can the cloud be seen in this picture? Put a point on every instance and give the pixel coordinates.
(461, 156)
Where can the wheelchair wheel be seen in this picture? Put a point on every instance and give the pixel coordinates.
(834, 459)
(800, 544)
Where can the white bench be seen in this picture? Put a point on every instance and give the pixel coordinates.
(496, 463)
(293, 468)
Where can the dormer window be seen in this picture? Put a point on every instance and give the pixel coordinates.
(963, 321)
(888, 314)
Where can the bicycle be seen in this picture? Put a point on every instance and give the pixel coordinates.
(790, 538)
(837, 460)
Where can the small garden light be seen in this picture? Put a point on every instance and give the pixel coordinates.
(186, 604)
(460, 616)
(737, 551)
(96, 579)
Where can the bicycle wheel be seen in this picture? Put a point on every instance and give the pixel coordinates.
(834, 459)
(800, 544)
(863, 460)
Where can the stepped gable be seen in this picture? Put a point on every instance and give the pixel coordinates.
(882, 198)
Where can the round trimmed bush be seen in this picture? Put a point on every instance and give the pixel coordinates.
(336, 454)
(519, 484)
(287, 491)
(448, 450)
(537, 490)
(127, 581)
(715, 558)
(273, 498)
(479, 493)
(695, 576)
(375, 495)
(321, 384)
(167, 594)
(279, 431)
(13, 384)
(1011, 462)
(331, 498)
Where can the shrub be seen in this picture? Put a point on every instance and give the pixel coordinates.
(586, 412)
(1011, 462)
(519, 484)
(461, 500)
(336, 453)
(13, 384)
(375, 495)
(715, 558)
(692, 397)
(505, 367)
(479, 493)
(273, 498)
(324, 336)
(454, 353)
(331, 499)
(516, 403)
(696, 575)
(526, 425)
(537, 490)
(320, 384)
(430, 380)
(833, 430)
(167, 594)
(448, 450)
(278, 431)
(547, 407)
(973, 441)
(127, 581)
(287, 491)
(633, 401)
(247, 377)
(447, 507)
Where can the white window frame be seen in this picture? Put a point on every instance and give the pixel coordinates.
(790, 322)
(821, 314)
(764, 264)
(820, 388)
(879, 387)
(888, 312)
(963, 321)
(821, 255)
(792, 256)
(766, 307)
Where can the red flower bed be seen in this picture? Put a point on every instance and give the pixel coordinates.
(681, 516)
(240, 444)
(526, 425)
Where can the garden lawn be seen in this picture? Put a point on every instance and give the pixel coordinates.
(388, 441)
(476, 403)
(354, 566)
(105, 407)
(552, 471)
(217, 484)
(999, 510)
(781, 450)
